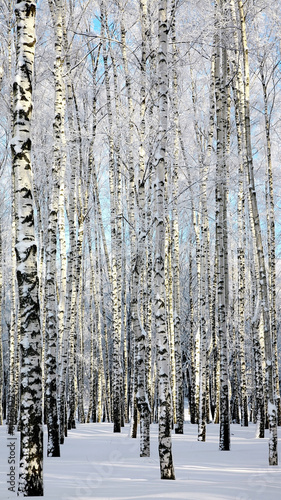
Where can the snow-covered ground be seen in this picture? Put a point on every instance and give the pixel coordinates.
(97, 464)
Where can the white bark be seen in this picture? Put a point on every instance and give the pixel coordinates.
(31, 442)
(271, 242)
(221, 210)
(163, 354)
(12, 405)
(239, 117)
(267, 334)
(116, 236)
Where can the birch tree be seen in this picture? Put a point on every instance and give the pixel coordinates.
(271, 235)
(163, 355)
(253, 206)
(31, 440)
(51, 281)
(221, 200)
(239, 114)
(116, 237)
(179, 402)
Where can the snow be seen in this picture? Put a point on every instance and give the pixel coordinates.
(271, 408)
(16, 142)
(97, 464)
(25, 344)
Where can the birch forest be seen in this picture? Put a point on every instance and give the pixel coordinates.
(140, 236)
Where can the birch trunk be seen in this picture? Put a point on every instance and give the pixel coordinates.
(163, 355)
(205, 306)
(202, 416)
(169, 302)
(196, 227)
(68, 338)
(271, 244)
(239, 103)
(13, 334)
(239, 118)
(31, 440)
(131, 202)
(141, 337)
(80, 341)
(73, 335)
(116, 237)
(179, 402)
(267, 333)
(259, 415)
(221, 210)
(241, 272)
(191, 348)
(12, 405)
(58, 169)
(78, 207)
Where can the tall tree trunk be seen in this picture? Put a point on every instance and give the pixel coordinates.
(271, 243)
(55, 318)
(267, 334)
(13, 333)
(191, 349)
(221, 209)
(116, 237)
(179, 402)
(138, 262)
(239, 104)
(163, 355)
(31, 441)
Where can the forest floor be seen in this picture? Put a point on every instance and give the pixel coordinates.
(97, 464)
